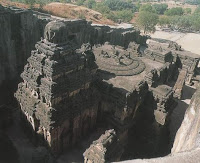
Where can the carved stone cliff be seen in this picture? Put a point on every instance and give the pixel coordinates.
(187, 137)
(20, 30)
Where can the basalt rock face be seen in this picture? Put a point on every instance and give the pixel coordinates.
(116, 36)
(187, 137)
(8, 151)
(20, 30)
(41, 155)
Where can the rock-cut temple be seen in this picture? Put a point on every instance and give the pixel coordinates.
(69, 90)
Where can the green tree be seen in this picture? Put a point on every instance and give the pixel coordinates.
(125, 15)
(90, 3)
(193, 2)
(147, 8)
(41, 3)
(187, 10)
(116, 5)
(100, 7)
(80, 2)
(30, 3)
(164, 21)
(160, 8)
(65, 1)
(195, 21)
(138, 5)
(174, 11)
(184, 22)
(147, 21)
(112, 16)
(197, 10)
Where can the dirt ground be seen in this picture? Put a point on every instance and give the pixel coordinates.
(173, 4)
(66, 10)
(188, 41)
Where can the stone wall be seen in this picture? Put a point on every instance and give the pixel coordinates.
(159, 48)
(20, 30)
(187, 137)
(161, 75)
(118, 107)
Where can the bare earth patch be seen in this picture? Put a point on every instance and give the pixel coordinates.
(73, 11)
(173, 4)
(188, 41)
(66, 10)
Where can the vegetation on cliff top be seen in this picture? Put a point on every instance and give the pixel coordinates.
(181, 19)
(124, 10)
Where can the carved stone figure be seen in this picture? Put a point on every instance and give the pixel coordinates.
(56, 32)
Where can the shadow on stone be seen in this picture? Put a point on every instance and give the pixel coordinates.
(176, 120)
(187, 92)
(8, 153)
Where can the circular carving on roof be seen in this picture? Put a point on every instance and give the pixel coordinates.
(118, 61)
(56, 32)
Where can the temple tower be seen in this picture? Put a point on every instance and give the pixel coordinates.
(55, 96)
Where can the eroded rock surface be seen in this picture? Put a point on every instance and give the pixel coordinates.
(188, 134)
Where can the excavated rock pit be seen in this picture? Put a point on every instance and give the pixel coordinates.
(78, 79)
